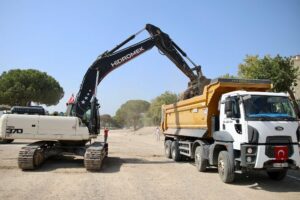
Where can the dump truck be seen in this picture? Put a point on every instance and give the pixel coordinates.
(236, 125)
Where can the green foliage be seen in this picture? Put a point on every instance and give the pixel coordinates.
(280, 70)
(155, 107)
(17, 87)
(131, 113)
(107, 121)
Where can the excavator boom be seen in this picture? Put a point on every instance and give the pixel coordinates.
(110, 60)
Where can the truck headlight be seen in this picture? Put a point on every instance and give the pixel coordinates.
(248, 159)
(249, 150)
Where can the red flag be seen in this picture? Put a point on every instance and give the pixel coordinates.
(71, 100)
(281, 153)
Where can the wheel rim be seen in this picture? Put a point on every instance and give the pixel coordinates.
(167, 149)
(197, 157)
(173, 153)
(221, 167)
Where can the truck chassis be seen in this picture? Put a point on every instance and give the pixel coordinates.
(207, 154)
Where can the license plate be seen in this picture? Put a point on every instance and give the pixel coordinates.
(280, 165)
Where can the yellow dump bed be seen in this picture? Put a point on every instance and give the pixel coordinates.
(192, 117)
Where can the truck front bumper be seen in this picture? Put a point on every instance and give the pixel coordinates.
(257, 156)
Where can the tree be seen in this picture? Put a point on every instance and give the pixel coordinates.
(130, 113)
(155, 107)
(107, 121)
(280, 70)
(18, 87)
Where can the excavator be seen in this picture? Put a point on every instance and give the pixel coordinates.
(74, 133)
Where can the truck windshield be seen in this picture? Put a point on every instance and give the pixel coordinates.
(270, 108)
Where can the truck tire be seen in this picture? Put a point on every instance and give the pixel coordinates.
(277, 175)
(225, 167)
(200, 162)
(168, 144)
(175, 151)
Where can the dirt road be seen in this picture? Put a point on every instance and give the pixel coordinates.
(135, 169)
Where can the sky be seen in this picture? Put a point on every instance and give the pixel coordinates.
(63, 38)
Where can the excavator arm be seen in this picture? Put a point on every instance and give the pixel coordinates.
(110, 60)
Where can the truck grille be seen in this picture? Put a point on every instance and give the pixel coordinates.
(273, 141)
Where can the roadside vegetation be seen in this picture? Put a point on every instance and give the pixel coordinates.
(138, 113)
(280, 70)
(18, 87)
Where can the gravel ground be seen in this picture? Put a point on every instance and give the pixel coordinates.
(135, 169)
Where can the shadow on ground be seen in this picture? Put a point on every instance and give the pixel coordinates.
(110, 164)
(13, 144)
(259, 180)
(254, 180)
(60, 162)
(113, 164)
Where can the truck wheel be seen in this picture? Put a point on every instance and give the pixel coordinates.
(277, 175)
(168, 148)
(225, 167)
(200, 162)
(175, 151)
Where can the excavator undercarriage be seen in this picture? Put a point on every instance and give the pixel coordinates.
(35, 154)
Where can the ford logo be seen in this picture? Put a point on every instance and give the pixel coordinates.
(279, 128)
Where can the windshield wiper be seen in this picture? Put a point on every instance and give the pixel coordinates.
(287, 118)
(268, 118)
(265, 118)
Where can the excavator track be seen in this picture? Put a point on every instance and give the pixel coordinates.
(94, 156)
(29, 156)
(33, 155)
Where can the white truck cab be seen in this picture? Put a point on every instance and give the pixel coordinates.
(264, 129)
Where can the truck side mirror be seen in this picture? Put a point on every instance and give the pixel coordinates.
(228, 108)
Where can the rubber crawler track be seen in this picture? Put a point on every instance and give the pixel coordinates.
(31, 156)
(94, 156)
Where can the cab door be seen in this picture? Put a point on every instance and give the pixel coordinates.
(232, 120)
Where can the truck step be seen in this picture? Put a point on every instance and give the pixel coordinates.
(186, 154)
(185, 148)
